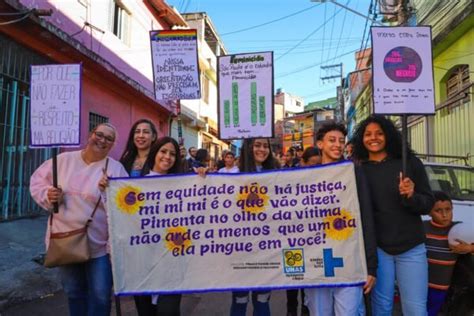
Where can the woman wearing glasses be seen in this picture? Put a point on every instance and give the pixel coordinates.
(87, 285)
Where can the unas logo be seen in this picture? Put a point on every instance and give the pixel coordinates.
(293, 261)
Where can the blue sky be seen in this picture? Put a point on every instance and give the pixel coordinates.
(295, 31)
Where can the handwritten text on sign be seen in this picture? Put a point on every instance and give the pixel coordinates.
(246, 95)
(268, 230)
(175, 64)
(403, 70)
(55, 105)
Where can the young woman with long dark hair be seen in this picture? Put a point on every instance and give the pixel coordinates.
(256, 156)
(140, 139)
(399, 200)
(164, 158)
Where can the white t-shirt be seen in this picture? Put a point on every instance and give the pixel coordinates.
(234, 169)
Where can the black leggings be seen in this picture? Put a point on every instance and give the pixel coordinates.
(168, 305)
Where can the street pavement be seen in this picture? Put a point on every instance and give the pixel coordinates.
(27, 288)
(208, 304)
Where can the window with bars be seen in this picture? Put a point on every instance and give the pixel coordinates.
(96, 119)
(457, 81)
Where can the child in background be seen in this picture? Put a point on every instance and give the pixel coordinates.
(229, 164)
(441, 256)
(311, 157)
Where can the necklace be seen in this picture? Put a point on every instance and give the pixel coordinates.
(138, 163)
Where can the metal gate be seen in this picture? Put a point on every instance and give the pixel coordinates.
(17, 161)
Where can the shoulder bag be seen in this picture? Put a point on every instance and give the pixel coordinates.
(69, 247)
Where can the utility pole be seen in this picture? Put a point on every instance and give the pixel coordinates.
(336, 72)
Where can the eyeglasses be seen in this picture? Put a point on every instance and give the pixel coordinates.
(107, 139)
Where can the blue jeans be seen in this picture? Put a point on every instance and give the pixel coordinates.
(88, 287)
(410, 269)
(260, 300)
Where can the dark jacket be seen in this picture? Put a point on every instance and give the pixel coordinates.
(398, 223)
(368, 225)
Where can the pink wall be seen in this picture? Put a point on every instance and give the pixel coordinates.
(121, 109)
(102, 93)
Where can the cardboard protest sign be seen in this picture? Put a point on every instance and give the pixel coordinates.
(245, 95)
(175, 64)
(402, 70)
(55, 105)
(285, 228)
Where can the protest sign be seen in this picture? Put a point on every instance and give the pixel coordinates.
(245, 95)
(280, 229)
(402, 70)
(55, 105)
(175, 64)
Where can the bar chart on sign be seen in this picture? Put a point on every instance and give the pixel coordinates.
(245, 95)
(257, 107)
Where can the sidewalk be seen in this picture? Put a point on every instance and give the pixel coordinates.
(21, 278)
(28, 288)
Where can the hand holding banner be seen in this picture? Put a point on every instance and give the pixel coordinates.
(287, 228)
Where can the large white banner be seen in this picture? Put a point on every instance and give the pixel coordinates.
(55, 105)
(402, 70)
(245, 95)
(281, 229)
(175, 64)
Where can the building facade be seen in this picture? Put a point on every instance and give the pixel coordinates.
(199, 120)
(449, 131)
(110, 39)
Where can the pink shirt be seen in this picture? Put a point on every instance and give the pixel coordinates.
(79, 182)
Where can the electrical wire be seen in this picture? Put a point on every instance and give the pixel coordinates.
(307, 46)
(291, 40)
(80, 31)
(324, 35)
(270, 22)
(332, 32)
(313, 65)
(342, 28)
(309, 35)
(27, 14)
(187, 5)
(13, 13)
(318, 93)
(363, 36)
(316, 50)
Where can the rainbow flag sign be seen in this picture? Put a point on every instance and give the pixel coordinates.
(175, 64)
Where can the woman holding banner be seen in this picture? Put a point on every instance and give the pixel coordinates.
(256, 156)
(87, 285)
(140, 139)
(399, 200)
(164, 158)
